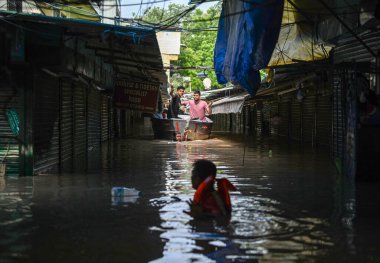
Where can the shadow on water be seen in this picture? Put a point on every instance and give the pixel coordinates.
(290, 207)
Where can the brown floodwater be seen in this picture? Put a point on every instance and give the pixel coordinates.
(290, 206)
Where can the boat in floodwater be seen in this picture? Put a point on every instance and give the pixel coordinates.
(189, 129)
(168, 128)
(199, 130)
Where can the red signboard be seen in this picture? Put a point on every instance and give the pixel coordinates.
(139, 96)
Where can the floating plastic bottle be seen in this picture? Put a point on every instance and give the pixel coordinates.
(124, 191)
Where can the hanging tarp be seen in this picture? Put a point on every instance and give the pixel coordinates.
(247, 34)
(229, 105)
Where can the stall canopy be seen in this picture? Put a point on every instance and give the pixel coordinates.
(229, 104)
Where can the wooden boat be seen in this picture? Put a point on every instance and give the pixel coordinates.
(199, 130)
(168, 128)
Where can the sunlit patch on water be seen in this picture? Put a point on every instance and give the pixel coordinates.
(286, 209)
(259, 229)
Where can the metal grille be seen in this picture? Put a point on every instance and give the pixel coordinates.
(339, 114)
(46, 123)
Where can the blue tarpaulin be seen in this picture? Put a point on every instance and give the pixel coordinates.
(247, 34)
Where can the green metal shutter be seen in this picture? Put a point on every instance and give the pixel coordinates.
(46, 123)
(9, 146)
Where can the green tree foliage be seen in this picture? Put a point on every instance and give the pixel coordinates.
(198, 38)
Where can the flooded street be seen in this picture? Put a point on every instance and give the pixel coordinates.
(290, 207)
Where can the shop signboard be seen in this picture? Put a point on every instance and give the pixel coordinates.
(133, 95)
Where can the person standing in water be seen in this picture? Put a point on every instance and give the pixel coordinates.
(207, 201)
(198, 107)
(175, 106)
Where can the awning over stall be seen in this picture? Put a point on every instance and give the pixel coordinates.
(229, 104)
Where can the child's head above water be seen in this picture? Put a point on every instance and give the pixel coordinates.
(201, 170)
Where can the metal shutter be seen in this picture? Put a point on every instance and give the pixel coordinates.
(273, 113)
(66, 125)
(283, 112)
(308, 119)
(46, 123)
(295, 120)
(93, 118)
(9, 146)
(259, 122)
(80, 128)
(105, 119)
(324, 120)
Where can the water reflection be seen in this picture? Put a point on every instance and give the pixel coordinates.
(263, 228)
(15, 214)
(290, 207)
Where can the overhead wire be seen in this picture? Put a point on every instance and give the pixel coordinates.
(162, 25)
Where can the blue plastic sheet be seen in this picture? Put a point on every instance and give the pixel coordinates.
(247, 34)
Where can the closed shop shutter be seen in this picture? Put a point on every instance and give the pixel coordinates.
(93, 121)
(9, 146)
(229, 122)
(80, 128)
(46, 123)
(295, 128)
(308, 118)
(112, 120)
(246, 111)
(283, 112)
(323, 122)
(105, 120)
(239, 124)
(216, 122)
(266, 111)
(66, 125)
(273, 116)
(235, 123)
(252, 119)
(116, 122)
